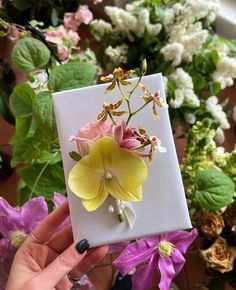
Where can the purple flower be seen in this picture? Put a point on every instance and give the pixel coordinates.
(163, 252)
(58, 200)
(118, 246)
(17, 222)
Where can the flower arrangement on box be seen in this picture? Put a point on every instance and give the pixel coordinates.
(177, 39)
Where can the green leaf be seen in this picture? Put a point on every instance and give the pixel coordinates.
(75, 156)
(215, 88)
(29, 54)
(171, 87)
(44, 181)
(199, 83)
(214, 189)
(21, 100)
(21, 4)
(42, 110)
(35, 23)
(72, 75)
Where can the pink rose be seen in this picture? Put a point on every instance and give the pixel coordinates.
(84, 15)
(89, 134)
(63, 52)
(70, 21)
(74, 36)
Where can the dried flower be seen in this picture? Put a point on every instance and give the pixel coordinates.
(118, 76)
(211, 224)
(219, 256)
(110, 170)
(230, 216)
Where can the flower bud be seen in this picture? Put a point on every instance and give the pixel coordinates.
(143, 67)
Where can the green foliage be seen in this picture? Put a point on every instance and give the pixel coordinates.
(21, 100)
(214, 189)
(72, 75)
(29, 54)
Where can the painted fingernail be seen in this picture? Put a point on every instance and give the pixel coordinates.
(82, 246)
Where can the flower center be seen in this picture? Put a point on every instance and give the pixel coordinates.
(165, 248)
(17, 238)
(108, 175)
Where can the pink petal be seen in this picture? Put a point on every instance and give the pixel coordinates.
(118, 133)
(133, 255)
(167, 271)
(58, 199)
(4, 246)
(142, 278)
(118, 246)
(130, 144)
(182, 239)
(178, 261)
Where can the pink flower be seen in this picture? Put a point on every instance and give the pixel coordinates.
(63, 52)
(70, 21)
(163, 252)
(89, 134)
(84, 15)
(95, 2)
(74, 36)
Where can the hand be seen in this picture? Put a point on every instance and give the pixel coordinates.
(44, 259)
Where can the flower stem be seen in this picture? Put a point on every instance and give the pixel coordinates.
(138, 110)
(111, 117)
(122, 94)
(40, 174)
(134, 88)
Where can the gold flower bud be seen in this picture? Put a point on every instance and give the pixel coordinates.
(219, 256)
(211, 224)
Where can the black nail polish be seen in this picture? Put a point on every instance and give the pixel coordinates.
(82, 246)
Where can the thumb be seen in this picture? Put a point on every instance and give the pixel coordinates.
(62, 265)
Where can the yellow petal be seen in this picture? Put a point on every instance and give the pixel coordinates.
(85, 177)
(93, 204)
(111, 87)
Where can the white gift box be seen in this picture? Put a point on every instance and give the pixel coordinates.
(163, 207)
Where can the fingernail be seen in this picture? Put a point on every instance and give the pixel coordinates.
(82, 246)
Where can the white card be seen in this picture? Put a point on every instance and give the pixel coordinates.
(163, 207)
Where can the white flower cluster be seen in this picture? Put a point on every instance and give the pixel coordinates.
(217, 112)
(118, 54)
(101, 27)
(184, 92)
(125, 22)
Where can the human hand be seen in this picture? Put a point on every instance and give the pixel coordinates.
(45, 259)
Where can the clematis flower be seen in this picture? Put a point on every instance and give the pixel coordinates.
(163, 252)
(17, 222)
(107, 169)
(88, 134)
(118, 76)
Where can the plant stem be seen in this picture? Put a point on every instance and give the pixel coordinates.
(40, 174)
(131, 92)
(111, 117)
(122, 94)
(138, 110)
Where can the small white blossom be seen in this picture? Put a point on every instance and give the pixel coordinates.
(220, 151)
(169, 18)
(129, 7)
(217, 112)
(225, 71)
(101, 26)
(193, 10)
(118, 54)
(219, 136)
(190, 118)
(184, 92)
(173, 51)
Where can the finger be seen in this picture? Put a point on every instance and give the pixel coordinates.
(50, 276)
(93, 257)
(46, 229)
(61, 240)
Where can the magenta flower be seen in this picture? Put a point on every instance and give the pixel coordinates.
(58, 200)
(17, 222)
(163, 252)
(118, 246)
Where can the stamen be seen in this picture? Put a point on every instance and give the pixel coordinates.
(108, 175)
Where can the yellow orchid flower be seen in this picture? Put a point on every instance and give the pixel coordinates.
(107, 169)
